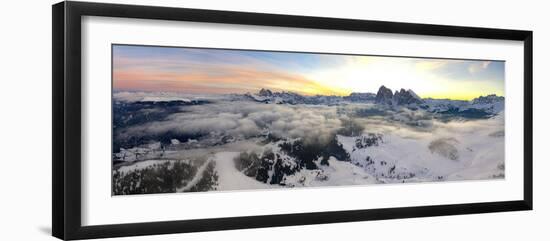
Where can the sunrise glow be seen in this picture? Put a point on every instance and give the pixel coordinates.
(213, 71)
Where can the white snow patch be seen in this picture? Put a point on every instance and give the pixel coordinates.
(337, 173)
(144, 164)
(229, 178)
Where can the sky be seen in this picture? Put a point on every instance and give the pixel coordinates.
(223, 71)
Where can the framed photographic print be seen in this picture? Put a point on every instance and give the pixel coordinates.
(170, 120)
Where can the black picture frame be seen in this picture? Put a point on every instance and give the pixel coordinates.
(66, 128)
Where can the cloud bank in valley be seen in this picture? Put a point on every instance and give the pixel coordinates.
(311, 123)
(245, 119)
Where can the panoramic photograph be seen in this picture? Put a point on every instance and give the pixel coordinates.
(187, 119)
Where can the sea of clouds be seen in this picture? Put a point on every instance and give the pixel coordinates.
(459, 149)
(317, 123)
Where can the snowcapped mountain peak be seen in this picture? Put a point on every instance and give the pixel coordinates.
(360, 97)
(489, 99)
(284, 97)
(265, 92)
(490, 103)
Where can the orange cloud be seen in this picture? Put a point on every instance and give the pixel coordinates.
(215, 79)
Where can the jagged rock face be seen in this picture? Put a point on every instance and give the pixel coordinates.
(265, 92)
(405, 97)
(384, 96)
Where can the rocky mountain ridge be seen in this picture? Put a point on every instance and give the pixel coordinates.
(385, 97)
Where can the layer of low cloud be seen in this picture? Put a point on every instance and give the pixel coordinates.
(310, 123)
(246, 119)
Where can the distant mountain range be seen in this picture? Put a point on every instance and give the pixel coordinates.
(490, 104)
(385, 98)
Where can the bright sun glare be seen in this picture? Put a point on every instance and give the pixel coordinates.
(363, 74)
